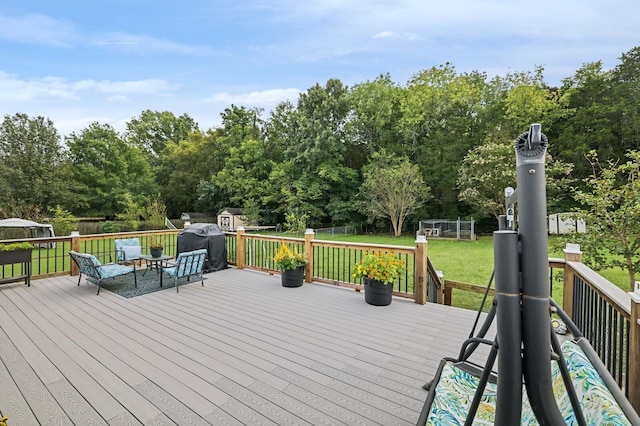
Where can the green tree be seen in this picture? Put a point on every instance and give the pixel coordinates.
(312, 174)
(373, 122)
(63, 221)
(442, 118)
(105, 168)
(187, 166)
(152, 130)
(240, 124)
(588, 94)
(392, 188)
(245, 176)
(489, 168)
(612, 208)
(33, 175)
(131, 212)
(155, 213)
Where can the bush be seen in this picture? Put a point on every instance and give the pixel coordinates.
(109, 227)
(63, 221)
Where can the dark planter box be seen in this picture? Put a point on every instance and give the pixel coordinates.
(17, 256)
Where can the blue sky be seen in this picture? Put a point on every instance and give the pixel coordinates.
(108, 60)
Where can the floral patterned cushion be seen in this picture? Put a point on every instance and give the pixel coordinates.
(456, 388)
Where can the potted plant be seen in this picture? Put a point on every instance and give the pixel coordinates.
(291, 265)
(17, 253)
(155, 245)
(379, 270)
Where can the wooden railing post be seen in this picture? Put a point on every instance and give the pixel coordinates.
(420, 282)
(75, 246)
(309, 235)
(572, 253)
(634, 349)
(448, 294)
(240, 247)
(440, 293)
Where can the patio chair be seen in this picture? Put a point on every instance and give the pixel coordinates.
(127, 249)
(187, 264)
(97, 272)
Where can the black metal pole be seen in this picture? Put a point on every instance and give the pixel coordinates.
(536, 319)
(508, 328)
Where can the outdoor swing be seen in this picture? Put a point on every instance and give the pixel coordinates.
(538, 380)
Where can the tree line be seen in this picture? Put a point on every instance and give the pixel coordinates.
(329, 156)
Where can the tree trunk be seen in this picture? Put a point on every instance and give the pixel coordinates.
(632, 273)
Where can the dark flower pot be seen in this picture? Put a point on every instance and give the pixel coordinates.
(377, 293)
(293, 277)
(156, 252)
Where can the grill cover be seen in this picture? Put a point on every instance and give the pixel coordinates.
(205, 236)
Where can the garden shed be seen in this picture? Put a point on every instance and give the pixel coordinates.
(230, 218)
(15, 228)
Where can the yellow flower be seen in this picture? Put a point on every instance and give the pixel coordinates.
(385, 267)
(285, 259)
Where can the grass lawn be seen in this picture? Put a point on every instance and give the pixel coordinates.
(470, 262)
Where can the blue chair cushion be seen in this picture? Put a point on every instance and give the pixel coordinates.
(110, 271)
(187, 263)
(131, 252)
(123, 245)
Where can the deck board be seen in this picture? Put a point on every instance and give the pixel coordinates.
(240, 350)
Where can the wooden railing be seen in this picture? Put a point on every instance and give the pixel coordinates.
(333, 262)
(51, 255)
(328, 261)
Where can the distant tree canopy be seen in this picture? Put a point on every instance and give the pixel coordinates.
(612, 208)
(310, 157)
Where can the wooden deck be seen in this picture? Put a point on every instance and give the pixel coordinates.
(241, 350)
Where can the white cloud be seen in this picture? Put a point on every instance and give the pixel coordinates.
(36, 28)
(265, 97)
(42, 29)
(57, 89)
(137, 87)
(118, 98)
(48, 89)
(397, 36)
(145, 44)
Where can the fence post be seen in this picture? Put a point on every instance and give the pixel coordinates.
(447, 294)
(308, 250)
(572, 253)
(420, 273)
(75, 246)
(240, 247)
(634, 349)
(440, 293)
